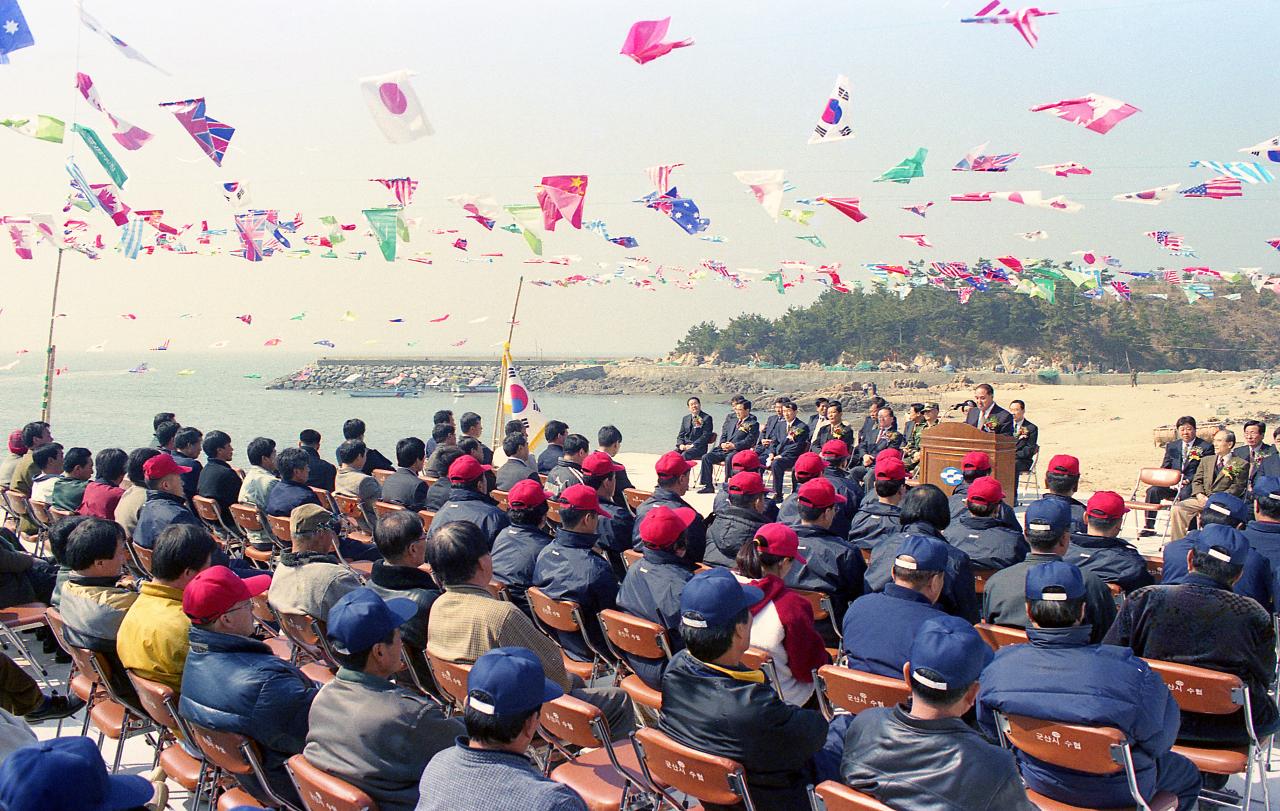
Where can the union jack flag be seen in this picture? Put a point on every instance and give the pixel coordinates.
(402, 187)
(1121, 289)
(1216, 188)
(993, 163)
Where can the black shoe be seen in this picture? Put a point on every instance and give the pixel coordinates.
(1147, 533)
(62, 657)
(55, 707)
(706, 490)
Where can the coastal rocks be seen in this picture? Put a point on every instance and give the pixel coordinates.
(408, 375)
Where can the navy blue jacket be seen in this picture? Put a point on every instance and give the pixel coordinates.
(320, 473)
(160, 510)
(695, 536)
(959, 509)
(1264, 537)
(567, 569)
(1257, 580)
(772, 424)
(191, 480)
(989, 542)
(473, 506)
(236, 684)
(833, 566)
(515, 551)
(846, 486)
(651, 591)
(404, 487)
(1111, 559)
(732, 528)
(787, 447)
(1060, 676)
(875, 522)
(789, 514)
(699, 436)
(613, 534)
(721, 503)
(549, 458)
(958, 595)
(879, 629)
(286, 496)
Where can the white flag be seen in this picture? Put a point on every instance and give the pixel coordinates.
(518, 403)
(766, 186)
(833, 123)
(395, 106)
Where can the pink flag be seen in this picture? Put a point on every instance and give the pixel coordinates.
(644, 41)
(561, 198)
(847, 206)
(19, 232)
(919, 239)
(127, 135)
(1093, 112)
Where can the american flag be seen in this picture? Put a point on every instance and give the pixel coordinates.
(1173, 276)
(660, 175)
(402, 187)
(1216, 188)
(1167, 239)
(954, 270)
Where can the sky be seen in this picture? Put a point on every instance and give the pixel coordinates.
(516, 91)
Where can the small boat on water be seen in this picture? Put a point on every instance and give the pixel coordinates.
(383, 393)
(478, 385)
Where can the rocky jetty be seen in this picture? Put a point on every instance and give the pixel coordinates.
(422, 375)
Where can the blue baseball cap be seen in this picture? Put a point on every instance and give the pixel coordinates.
(922, 553)
(714, 597)
(361, 619)
(951, 650)
(1228, 505)
(1266, 487)
(508, 682)
(67, 773)
(1055, 581)
(1048, 515)
(1223, 543)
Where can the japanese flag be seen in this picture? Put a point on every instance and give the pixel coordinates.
(395, 106)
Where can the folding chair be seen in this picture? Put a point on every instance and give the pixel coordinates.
(352, 513)
(1153, 477)
(79, 684)
(11, 516)
(823, 608)
(18, 618)
(854, 691)
(1030, 476)
(1211, 692)
(499, 496)
(38, 513)
(667, 764)
(381, 476)
(326, 500)
(248, 519)
(636, 497)
(627, 633)
(565, 615)
(604, 777)
(759, 659)
(832, 796)
(210, 514)
(998, 636)
(280, 527)
(980, 577)
(56, 514)
(236, 755)
(451, 677)
(321, 791)
(307, 635)
(387, 507)
(1087, 749)
(161, 703)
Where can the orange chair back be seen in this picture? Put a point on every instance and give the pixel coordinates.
(207, 509)
(451, 677)
(157, 699)
(633, 635)
(348, 506)
(980, 577)
(246, 517)
(223, 749)
(382, 475)
(40, 512)
(144, 557)
(1198, 689)
(1155, 565)
(499, 496)
(1073, 746)
(708, 778)
(816, 600)
(304, 632)
(57, 514)
(636, 497)
(280, 528)
(387, 507)
(998, 636)
(325, 497)
(553, 512)
(321, 791)
(570, 720)
(855, 691)
(427, 517)
(18, 501)
(756, 658)
(557, 614)
(1160, 477)
(832, 796)
(630, 557)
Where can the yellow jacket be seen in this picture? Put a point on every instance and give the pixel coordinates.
(153, 635)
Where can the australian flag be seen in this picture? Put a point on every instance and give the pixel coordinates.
(14, 33)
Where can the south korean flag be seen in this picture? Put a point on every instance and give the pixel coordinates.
(836, 117)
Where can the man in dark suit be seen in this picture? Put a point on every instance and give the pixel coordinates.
(986, 416)
(769, 436)
(834, 427)
(1270, 465)
(870, 426)
(1184, 454)
(1255, 450)
(793, 440)
(319, 472)
(820, 417)
(1027, 434)
(697, 430)
(404, 486)
(740, 433)
(1220, 472)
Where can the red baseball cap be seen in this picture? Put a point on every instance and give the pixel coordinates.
(527, 494)
(975, 460)
(671, 465)
(986, 490)
(888, 453)
(600, 464)
(780, 540)
(810, 465)
(216, 590)
(1106, 504)
(819, 493)
(466, 469)
(582, 497)
(16, 445)
(1067, 465)
(891, 470)
(161, 465)
(836, 448)
(746, 460)
(663, 526)
(747, 483)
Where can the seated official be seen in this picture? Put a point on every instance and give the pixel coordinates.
(218, 480)
(505, 693)
(468, 620)
(135, 496)
(924, 512)
(832, 565)
(615, 527)
(881, 518)
(516, 549)
(1221, 472)
(922, 755)
(792, 440)
(812, 466)
(746, 462)
(879, 627)
(974, 466)
(517, 468)
(1263, 531)
(309, 579)
(568, 468)
(673, 484)
(769, 434)
(1062, 676)
(569, 569)
(400, 573)
(833, 427)
(259, 478)
(652, 586)
(740, 433)
(351, 481)
(469, 500)
(152, 640)
(68, 773)
(1201, 622)
(1101, 551)
(696, 431)
(1184, 454)
(1258, 578)
(1027, 433)
(234, 683)
(362, 728)
(737, 523)
(165, 505)
(711, 702)
(68, 489)
(979, 533)
(405, 486)
(1049, 536)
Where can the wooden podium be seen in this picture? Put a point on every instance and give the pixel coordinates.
(945, 445)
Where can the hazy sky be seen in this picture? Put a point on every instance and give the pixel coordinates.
(516, 91)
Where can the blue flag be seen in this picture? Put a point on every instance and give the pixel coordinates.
(14, 33)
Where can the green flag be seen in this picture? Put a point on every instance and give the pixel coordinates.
(1045, 289)
(528, 216)
(45, 127)
(99, 150)
(1086, 280)
(384, 221)
(909, 168)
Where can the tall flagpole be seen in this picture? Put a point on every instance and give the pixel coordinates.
(502, 379)
(50, 349)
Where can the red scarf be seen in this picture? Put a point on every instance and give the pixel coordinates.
(804, 647)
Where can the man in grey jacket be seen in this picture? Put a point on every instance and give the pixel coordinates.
(362, 727)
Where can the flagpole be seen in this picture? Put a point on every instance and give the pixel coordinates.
(50, 349)
(506, 351)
